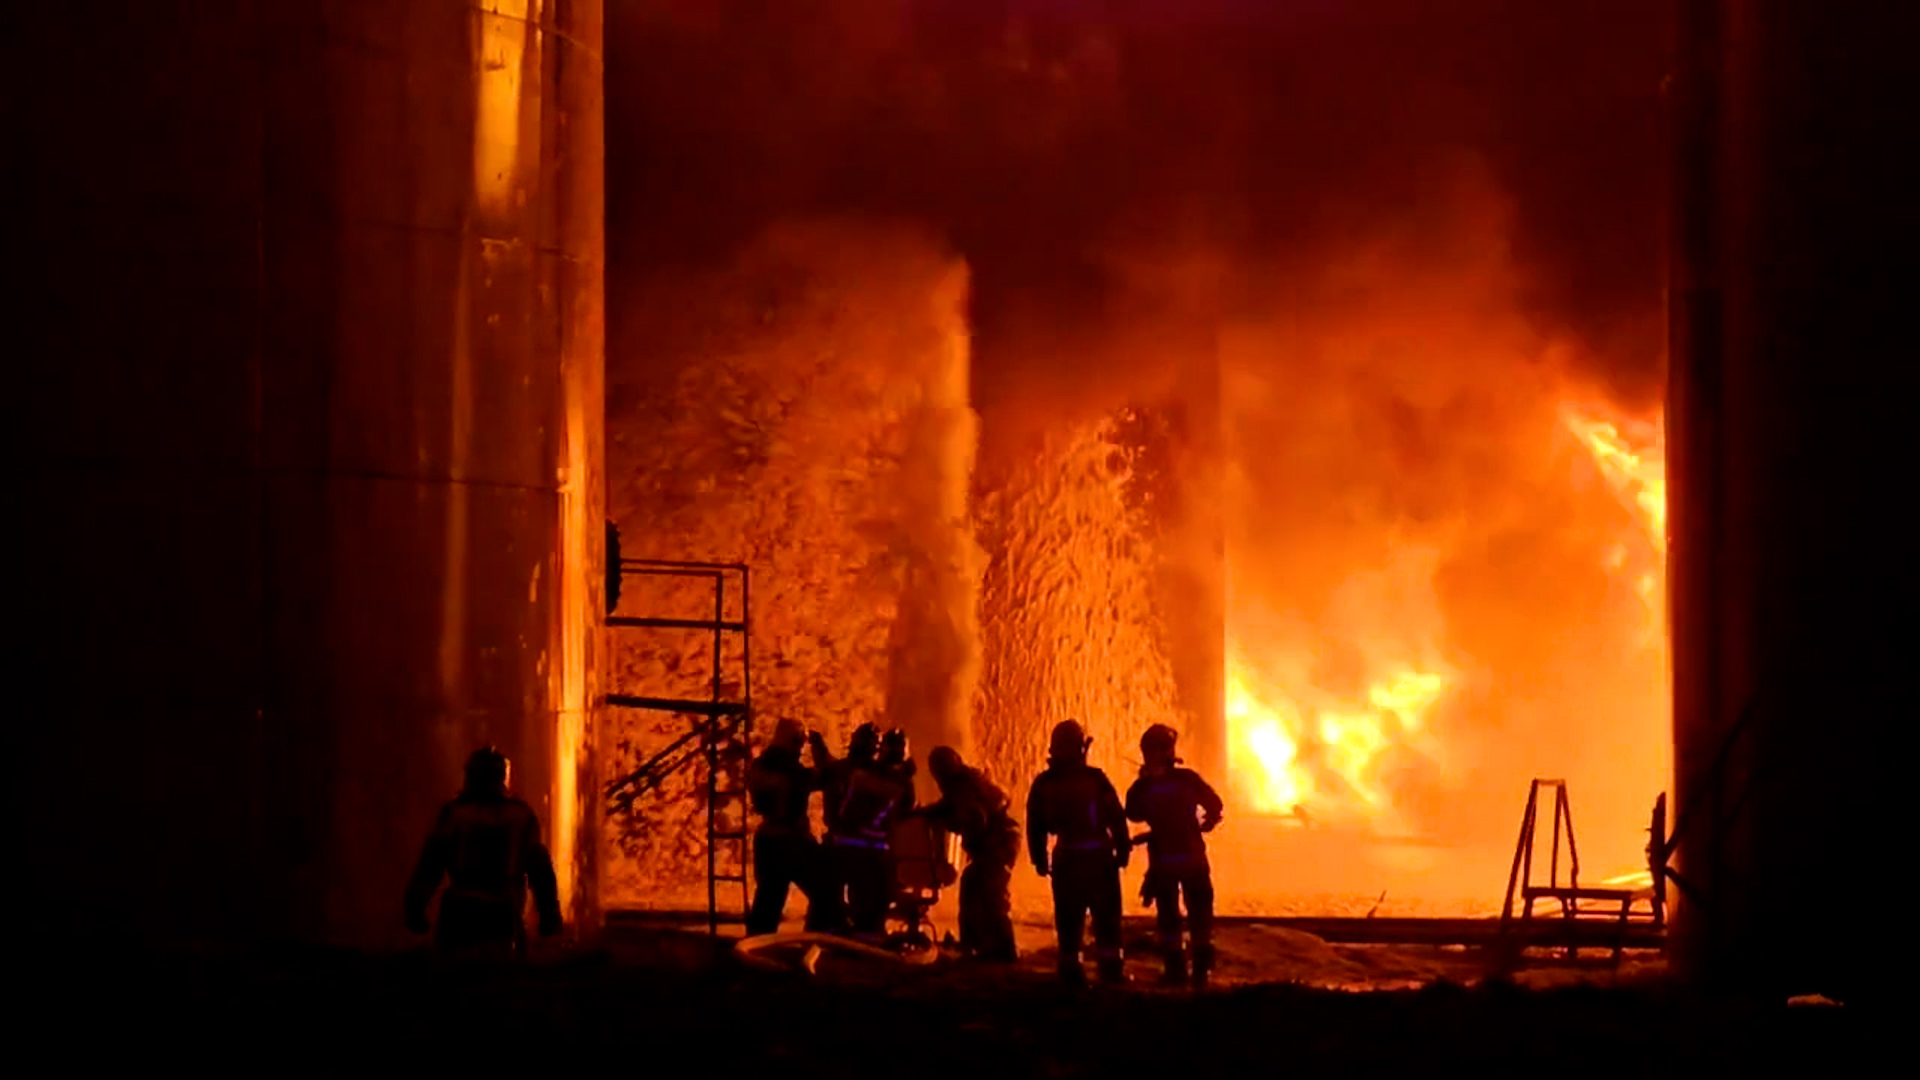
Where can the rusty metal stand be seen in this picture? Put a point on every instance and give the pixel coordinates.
(721, 735)
(1615, 905)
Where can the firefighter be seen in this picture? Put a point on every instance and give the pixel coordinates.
(1178, 807)
(784, 851)
(1076, 802)
(862, 800)
(863, 748)
(486, 846)
(975, 808)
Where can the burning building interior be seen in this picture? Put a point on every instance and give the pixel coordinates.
(1047, 367)
(1307, 377)
(1051, 367)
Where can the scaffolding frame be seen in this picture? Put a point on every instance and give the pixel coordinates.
(722, 733)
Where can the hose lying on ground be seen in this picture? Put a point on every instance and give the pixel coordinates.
(749, 950)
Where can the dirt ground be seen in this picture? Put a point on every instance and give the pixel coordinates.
(654, 1001)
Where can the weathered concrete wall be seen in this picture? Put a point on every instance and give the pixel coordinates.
(801, 410)
(1071, 626)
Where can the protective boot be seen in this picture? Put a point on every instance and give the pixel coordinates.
(1202, 965)
(1176, 973)
(1072, 973)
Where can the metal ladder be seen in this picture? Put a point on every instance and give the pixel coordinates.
(722, 733)
(1613, 907)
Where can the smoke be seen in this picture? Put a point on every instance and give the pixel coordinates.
(1057, 143)
(1406, 502)
(934, 646)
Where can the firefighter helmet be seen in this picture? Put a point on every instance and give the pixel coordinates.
(1069, 742)
(893, 747)
(1158, 742)
(789, 734)
(944, 763)
(487, 770)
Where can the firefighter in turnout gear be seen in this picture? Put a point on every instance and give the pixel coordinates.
(863, 798)
(486, 847)
(1178, 807)
(974, 808)
(784, 851)
(1076, 803)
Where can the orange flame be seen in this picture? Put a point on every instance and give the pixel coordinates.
(1296, 750)
(1638, 475)
(1322, 761)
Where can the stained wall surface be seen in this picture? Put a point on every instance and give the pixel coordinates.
(1070, 602)
(801, 408)
(310, 434)
(1791, 569)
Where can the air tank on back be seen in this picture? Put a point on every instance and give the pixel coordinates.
(1791, 451)
(311, 439)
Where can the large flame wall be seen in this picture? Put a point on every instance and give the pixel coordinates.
(1444, 567)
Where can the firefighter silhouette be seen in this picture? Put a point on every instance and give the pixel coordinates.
(485, 846)
(974, 808)
(784, 852)
(863, 797)
(1076, 803)
(1178, 807)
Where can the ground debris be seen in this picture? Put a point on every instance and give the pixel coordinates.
(644, 989)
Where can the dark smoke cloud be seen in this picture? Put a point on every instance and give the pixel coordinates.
(1063, 144)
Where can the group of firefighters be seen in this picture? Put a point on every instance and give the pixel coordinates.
(849, 881)
(486, 847)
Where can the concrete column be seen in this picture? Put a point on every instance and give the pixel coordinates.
(312, 433)
(1790, 448)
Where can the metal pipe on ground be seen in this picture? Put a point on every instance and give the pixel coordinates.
(749, 949)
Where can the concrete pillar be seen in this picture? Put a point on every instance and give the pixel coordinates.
(1790, 450)
(312, 442)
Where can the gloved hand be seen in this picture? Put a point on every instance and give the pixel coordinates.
(417, 922)
(1040, 867)
(1122, 855)
(1208, 824)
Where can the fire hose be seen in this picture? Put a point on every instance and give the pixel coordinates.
(749, 948)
